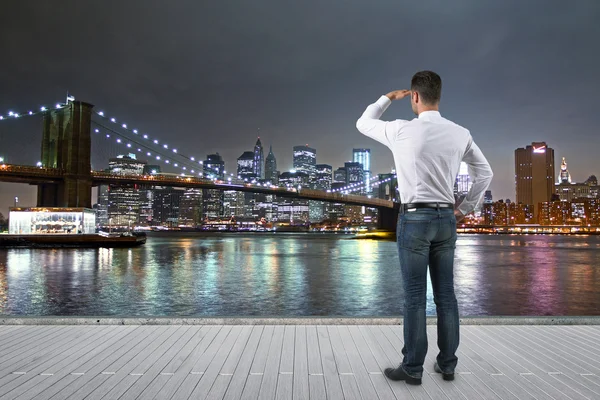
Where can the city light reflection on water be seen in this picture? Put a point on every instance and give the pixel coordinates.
(179, 274)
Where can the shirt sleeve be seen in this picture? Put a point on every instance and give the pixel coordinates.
(480, 172)
(370, 125)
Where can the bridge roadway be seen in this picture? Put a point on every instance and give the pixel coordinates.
(37, 175)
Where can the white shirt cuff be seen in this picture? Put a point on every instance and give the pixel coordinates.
(383, 102)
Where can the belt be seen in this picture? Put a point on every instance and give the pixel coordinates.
(427, 205)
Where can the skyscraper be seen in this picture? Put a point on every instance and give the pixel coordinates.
(363, 157)
(534, 174)
(245, 166)
(339, 176)
(124, 200)
(324, 176)
(259, 161)
(354, 174)
(271, 167)
(463, 183)
(214, 168)
(487, 197)
(564, 176)
(305, 159)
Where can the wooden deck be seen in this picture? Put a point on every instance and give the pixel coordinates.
(290, 362)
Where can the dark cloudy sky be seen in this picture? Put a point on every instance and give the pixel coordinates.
(205, 76)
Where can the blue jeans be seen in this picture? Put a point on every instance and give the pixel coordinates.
(427, 236)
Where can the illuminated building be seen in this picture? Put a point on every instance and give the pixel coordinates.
(563, 175)
(463, 183)
(51, 220)
(305, 159)
(534, 174)
(487, 197)
(190, 208)
(363, 157)
(271, 174)
(503, 213)
(166, 206)
(339, 176)
(124, 200)
(214, 168)
(259, 161)
(355, 176)
(245, 166)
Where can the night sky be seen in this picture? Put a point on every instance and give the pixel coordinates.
(206, 76)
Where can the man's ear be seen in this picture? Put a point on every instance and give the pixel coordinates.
(415, 96)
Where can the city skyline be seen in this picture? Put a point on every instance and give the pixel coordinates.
(298, 88)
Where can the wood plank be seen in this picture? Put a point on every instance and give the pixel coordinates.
(286, 364)
(212, 371)
(252, 387)
(268, 387)
(350, 387)
(528, 358)
(68, 384)
(300, 388)
(284, 387)
(260, 358)
(187, 351)
(58, 351)
(364, 350)
(509, 370)
(136, 366)
(90, 348)
(12, 342)
(38, 345)
(196, 374)
(315, 366)
(82, 387)
(339, 353)
(316, 387)
(366, 386)
(144, 387)
(242, 370)
(400, 389)
(333, 386)
(204, 340)
(233, 358)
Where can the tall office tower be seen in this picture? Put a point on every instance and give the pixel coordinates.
(124, 200)
(355, 176)
(487, 197)
(305, 159)
(147, 196)
(271, 174)
(245, 166)
(166, 206)
(102, 206)
(339, 176)
(534, 174)
(363, 156)
(259, 161)
(323, 177)
(214, 168)
(564, 176)
(190, 208)
(463, 183)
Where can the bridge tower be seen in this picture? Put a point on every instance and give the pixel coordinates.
(66, 144)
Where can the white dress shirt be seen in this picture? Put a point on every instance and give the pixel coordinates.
(427, 152)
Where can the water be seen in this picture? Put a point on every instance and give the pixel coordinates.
(178, 274)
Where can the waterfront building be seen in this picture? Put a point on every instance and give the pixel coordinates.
(534, 174)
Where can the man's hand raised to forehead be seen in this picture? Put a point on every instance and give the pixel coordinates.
(398, 94)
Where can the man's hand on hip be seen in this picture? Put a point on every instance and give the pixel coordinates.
(459, 216)
(398, 94)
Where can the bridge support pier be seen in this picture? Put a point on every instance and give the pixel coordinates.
(66, 144)
(387, 218)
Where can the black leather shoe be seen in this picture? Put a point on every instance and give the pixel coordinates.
(398, 374)
(447, 377)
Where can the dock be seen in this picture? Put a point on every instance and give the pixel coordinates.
(292, 361)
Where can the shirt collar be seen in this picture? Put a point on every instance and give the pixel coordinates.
(429, 114)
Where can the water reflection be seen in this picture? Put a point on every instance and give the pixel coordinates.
(295, 275)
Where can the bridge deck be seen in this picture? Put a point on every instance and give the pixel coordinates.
(293, 361)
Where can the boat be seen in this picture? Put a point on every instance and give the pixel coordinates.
(101, 239)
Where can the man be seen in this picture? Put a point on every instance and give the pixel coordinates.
(427, 152)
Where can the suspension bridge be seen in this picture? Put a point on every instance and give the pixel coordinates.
(73, 133)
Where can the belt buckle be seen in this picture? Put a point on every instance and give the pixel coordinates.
(411, 209)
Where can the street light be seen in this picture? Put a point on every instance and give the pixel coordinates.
(16, 201)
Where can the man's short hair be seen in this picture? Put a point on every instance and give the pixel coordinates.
(429, 86)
